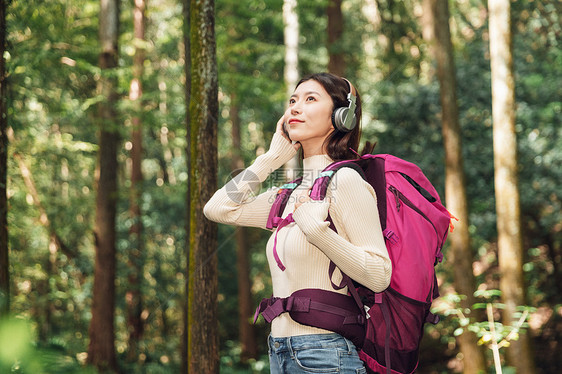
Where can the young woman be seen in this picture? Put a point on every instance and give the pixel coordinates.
(306, 246)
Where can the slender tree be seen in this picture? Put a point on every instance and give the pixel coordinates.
(4, 258)
(291, 72)
(291, 38)
(436, 31)
(186, 12)
(510, 243)
(203, 350)
(101, 350)
(336, 63)
(133, 298)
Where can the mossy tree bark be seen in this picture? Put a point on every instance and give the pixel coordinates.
(203, 344)
(4, 249)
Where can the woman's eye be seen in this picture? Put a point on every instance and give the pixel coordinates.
(291, 101)
(310, 98)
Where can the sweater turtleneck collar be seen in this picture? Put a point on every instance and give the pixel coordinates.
(313, 165)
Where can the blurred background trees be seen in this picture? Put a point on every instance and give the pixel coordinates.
(52, 111)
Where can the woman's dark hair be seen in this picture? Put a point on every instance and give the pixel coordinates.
(338, 144)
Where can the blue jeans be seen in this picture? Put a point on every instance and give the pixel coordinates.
(321, 353)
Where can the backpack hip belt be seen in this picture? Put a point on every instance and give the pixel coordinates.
(323, 309)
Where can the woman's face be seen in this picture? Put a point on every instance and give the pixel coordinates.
(308, 117)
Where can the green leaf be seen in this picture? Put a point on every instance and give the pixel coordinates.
(479, 306)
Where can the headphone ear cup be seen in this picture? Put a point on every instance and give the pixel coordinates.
(334, 120)
(338, 119)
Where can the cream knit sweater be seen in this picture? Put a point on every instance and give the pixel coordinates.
(306, 246)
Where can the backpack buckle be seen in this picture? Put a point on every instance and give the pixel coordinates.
(390, 236)
(367, 311)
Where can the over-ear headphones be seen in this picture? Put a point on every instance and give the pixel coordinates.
(343, 118)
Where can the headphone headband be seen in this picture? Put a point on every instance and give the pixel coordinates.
(352, 89)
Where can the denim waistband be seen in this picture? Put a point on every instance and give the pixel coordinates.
(311, 341)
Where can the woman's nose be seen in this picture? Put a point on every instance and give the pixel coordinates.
(296, 108)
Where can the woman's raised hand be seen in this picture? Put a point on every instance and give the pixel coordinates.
(281, 130)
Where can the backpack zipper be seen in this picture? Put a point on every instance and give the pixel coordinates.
(400, 197)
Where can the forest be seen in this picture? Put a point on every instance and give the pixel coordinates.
(119, 120)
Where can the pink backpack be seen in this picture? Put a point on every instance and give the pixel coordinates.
(386, 327)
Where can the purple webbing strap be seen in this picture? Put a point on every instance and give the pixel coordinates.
(277, 207)
(353, 291)
(280, 202)
(319, 188)
(386, 317)
(280, 224)
(349, 318)
(274, 306)
(318, 192)
(331, 270)
(346, 281)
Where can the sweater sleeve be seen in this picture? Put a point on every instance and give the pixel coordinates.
(358, 248)
(238, 202)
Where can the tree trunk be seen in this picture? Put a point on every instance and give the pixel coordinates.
(436, 26)
(187, 71)
(133, 299)
(291, 38)
(203, 344)
(370, 11)
(4, 249)
(510, 245)
(336, 63)
(165, 160)
(101, 350)
(291, 72)
(245, 305)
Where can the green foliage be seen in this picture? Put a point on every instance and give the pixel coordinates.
(15, 344)
(52, 64)
(494, 335)
(20, 354)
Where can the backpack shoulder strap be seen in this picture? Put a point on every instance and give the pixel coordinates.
(280, 202)
(318, 192)
(321, 183)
